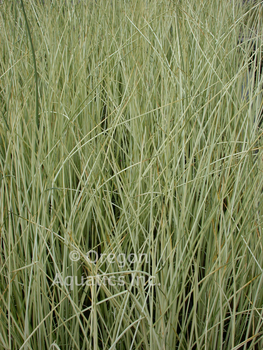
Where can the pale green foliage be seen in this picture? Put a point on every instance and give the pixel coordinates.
(146, 144)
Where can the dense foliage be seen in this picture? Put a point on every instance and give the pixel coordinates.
(131, 175)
